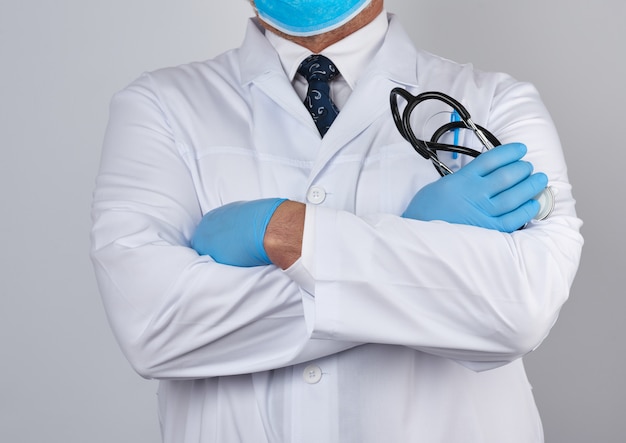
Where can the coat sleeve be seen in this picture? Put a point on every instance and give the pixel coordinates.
(174, 313)
(479, 296)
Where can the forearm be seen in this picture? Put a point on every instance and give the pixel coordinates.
(180, 315)
(456, 291)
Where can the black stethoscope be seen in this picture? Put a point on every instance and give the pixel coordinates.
(429, 149)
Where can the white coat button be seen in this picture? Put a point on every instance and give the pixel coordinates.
(316, 195)
(312, 374)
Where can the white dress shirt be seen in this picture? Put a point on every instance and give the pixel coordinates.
(387, 329)
(351, 55)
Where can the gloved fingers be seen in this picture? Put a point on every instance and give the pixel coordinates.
(506, 177)
(518, 195)
(495, 158)
(512, 221)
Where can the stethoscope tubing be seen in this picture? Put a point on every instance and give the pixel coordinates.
(429, 149)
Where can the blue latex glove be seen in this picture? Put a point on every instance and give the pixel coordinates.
(233, 234)
(493, 191)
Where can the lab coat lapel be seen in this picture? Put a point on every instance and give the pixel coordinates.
(261, 65)
(367, 103)
(394, 65)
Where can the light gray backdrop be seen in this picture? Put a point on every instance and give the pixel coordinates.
(62, 377)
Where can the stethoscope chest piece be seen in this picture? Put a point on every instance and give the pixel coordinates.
(546, 199)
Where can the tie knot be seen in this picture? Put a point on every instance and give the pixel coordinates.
(317, 67)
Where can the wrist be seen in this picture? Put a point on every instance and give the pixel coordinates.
(283, 236)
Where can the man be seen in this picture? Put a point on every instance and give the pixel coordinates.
(293, 283)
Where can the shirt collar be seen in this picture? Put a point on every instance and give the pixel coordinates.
(351, 54)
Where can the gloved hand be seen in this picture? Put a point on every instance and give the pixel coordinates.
(493, 191)
(233, 234)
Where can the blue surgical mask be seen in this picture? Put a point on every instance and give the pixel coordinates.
(308, 17)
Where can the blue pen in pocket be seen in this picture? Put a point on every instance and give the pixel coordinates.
(455, 117)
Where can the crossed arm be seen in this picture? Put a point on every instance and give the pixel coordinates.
(495, 191)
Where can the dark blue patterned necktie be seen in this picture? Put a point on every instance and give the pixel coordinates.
(319, 71)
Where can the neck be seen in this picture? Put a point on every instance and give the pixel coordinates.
(317, 43)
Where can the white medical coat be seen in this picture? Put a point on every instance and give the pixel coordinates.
(387, 329)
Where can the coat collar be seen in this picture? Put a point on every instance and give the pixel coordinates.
(396, 60)
(257, 57)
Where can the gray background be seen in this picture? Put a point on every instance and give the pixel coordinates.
(62, 377)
